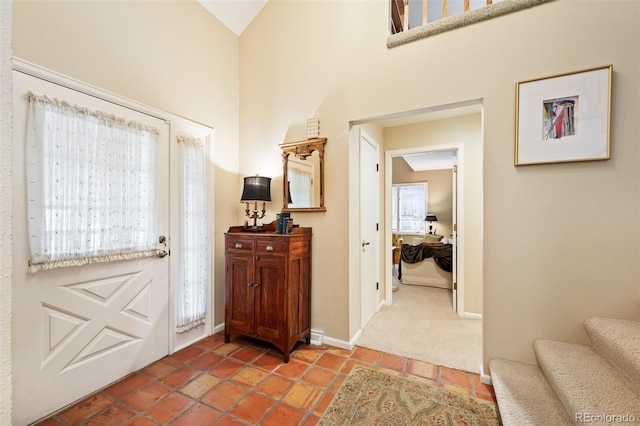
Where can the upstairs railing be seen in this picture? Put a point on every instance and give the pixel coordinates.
(406, 14)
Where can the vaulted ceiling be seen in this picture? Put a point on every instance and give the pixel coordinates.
(235, 14)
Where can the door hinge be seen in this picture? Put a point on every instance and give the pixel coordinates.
(455, 227)
(455, 169)
(377, 286)
(455, 286)
(377, 167)
(377, 226)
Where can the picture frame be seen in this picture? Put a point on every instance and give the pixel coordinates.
(564, 118)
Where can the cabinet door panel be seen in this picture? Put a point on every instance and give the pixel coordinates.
(239, 297)
(270, 296)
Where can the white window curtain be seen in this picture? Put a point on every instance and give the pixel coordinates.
(300, 187)
(91, 186)
(193, 282)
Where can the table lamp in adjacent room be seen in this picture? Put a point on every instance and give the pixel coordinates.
(431, 218)
(256, 189)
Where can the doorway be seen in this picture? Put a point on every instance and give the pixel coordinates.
(438, 167)
(455, 128)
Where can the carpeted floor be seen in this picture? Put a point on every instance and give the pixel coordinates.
(420, 324)
(369, 397)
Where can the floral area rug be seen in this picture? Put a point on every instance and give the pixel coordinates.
(369, 397)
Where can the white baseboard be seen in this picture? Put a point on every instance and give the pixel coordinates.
(355, 339)
(485, 377)
(341, 343)
(471, 315)
(218, 328)
(317, 337)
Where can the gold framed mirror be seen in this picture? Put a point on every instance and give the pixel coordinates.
(303, 175)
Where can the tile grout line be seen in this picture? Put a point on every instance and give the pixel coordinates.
(348, 360)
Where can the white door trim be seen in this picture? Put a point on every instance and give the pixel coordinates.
(71, 83)
(459, 148)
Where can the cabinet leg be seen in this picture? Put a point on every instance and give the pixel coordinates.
(226, 338)
(307, 340)
(286, 357)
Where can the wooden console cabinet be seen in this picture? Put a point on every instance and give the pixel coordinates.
(268, 286)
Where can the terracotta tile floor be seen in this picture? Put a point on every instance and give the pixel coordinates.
(245, 382)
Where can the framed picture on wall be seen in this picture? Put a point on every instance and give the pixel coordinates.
(564, 118)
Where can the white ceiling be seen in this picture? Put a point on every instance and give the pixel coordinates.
(430, 161)
(235, 14)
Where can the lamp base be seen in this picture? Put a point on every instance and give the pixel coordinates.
(255, 229)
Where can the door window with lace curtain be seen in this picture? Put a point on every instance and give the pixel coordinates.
(91, 190)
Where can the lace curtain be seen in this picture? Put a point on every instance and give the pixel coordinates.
(300, 187)
(91, 186)
(193, 282)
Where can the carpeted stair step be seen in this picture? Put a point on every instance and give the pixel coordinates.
(524, 395)
(618, 341)
(585, 382)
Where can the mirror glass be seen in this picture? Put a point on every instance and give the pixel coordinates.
(304, 170)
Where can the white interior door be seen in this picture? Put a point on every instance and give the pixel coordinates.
(78, 329)
(369, 220)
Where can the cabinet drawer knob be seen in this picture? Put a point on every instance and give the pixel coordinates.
(269, 247)
(238, 245)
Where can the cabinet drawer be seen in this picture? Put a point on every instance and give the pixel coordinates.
(271, 247)
(239, 245)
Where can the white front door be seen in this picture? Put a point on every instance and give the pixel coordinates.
(369, 224)
(77, 329)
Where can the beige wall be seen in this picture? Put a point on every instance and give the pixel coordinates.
(466, 132)
(542, 275)
(440, 187)
(174, 56)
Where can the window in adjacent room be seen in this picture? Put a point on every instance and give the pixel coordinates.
(409, 207)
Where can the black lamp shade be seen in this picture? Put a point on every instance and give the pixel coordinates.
(431, 218)
(256, 188)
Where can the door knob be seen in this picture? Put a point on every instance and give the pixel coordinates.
(365, 243)
(162, 253)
